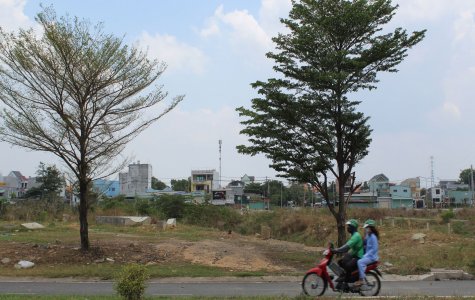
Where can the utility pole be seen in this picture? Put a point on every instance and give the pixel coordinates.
(220, 142)
(471, 184)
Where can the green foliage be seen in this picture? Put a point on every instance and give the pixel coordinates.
(212, 216)
(182, 185)
(157, 184)
(131, 282)
(307, 120)
(171, 206)
(143, 207)
(447, 215)
(465, 176)
(3, 206)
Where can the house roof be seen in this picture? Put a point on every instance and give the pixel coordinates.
(380, 178)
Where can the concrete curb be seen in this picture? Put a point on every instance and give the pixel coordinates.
(443, 274)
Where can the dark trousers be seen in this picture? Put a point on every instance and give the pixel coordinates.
(349, 264)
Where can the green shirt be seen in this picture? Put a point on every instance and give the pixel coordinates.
(356, 245)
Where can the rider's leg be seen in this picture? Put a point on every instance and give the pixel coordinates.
(362, 263)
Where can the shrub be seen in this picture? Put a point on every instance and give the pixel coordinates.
(447, 215)
(171, 206)
(3, 206)
(143, 207)
(131, 282)
(212, 216)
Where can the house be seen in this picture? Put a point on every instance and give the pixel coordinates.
(414, 184)
(247, 179)
(106, 188)
(204, 180)
(136, 181)
(401, 196)
(379, 185)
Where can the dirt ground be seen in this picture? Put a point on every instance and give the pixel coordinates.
(231, 251)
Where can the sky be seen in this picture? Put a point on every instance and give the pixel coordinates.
(215, 49)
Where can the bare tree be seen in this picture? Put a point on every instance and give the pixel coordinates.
(78, 93)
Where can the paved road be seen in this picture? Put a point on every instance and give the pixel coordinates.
(436, 288)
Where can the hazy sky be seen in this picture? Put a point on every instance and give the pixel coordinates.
(215, 49)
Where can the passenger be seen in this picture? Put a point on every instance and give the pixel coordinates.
(371, 250)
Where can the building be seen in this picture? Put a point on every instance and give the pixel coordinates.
(204, 180)
(246, 179)
(137, 181)
(106, 188)
(415, 185)
(379, 185)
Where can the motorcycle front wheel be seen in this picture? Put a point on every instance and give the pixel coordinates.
(314, 285)
(372, 285)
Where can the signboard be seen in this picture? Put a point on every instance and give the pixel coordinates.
(219, 195)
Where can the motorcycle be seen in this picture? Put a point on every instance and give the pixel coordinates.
(317, 279)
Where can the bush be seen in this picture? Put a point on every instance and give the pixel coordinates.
(212, 216)
(3, 207)
(131, 282)
(143, 207)
(447, 215)
(171, 206)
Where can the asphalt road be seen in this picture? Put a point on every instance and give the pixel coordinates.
(393, 288)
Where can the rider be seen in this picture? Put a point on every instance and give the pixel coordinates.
(371, 253)
(353, 249)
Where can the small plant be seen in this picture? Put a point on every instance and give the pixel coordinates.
(131, 282)
(447, 215)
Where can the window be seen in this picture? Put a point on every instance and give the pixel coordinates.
(405, 191)
(437, 192)
(395, 191)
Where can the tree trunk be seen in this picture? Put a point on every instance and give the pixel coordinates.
(341, 219)
(83, 208)
(341, 231)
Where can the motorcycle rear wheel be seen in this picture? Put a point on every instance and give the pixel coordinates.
(372, 286)
(314, 285)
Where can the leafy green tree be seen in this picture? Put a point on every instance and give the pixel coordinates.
(254, 188)
(157, 184)
(182, 185)
(306, 120)
(465, 177)
(172, 206)
(78, 93)
(51, 181)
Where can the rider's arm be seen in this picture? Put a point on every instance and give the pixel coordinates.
(342, 249)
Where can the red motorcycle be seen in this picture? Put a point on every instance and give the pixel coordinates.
(317, 279)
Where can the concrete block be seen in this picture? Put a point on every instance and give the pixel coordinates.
(123, 220)
(33, 225)
(171, 223)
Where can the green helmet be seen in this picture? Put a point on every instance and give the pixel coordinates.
(369, 222)
(352, 222)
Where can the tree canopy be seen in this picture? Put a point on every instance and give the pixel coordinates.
(306, 119)
(79, 93)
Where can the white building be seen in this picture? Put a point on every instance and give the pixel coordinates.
(137, 181)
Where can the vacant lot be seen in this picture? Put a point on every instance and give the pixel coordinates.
(188, 250)
(184, 251)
